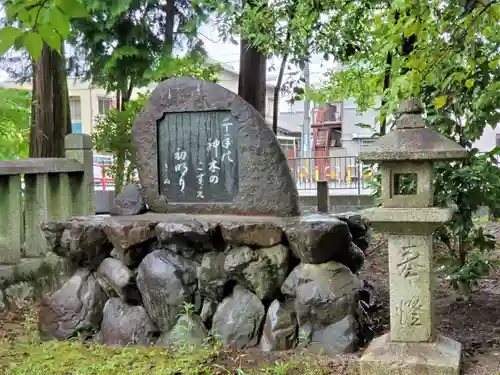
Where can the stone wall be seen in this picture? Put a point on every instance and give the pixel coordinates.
(27, 281)
(170, 279)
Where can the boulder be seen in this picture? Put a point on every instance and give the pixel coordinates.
(355, 260)
(324, 295)
(359, 228)
(188, 333)
(166, 281)
(263, 234)
(262, 270)
(319, 239)
(125, 325)
(238, 319)
(363, 242)
(129, 202)
(131, 238)
(75, 308)
(19, 295)
(82, 240)
(211, 276)
(118, 280)
(280, 328)
(52, 231)
(337, 338)
(188, 238)
(207, 312)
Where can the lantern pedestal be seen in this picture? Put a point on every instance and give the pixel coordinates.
(383, 356)
(412, 347)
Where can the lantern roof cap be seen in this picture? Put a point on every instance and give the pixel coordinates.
(411, 140)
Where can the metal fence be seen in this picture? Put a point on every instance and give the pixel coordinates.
(345, 172)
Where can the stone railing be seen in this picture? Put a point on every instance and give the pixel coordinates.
(36, 190)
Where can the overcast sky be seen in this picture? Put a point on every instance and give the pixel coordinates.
(230, 53)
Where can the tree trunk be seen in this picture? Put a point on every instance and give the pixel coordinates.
(252, 78)
(387, 85)
(50, 121)
(169, 27)
(120, 171)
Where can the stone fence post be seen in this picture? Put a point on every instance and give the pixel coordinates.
(79, 147)
(323, 196)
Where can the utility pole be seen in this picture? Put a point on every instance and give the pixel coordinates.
(306, 126)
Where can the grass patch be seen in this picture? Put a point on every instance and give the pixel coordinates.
(22, 353)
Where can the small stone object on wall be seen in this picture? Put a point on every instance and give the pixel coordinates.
(129, 202)
(196, 152)
(196, 276)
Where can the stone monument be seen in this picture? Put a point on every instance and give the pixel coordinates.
(218, 187)
(202, 149)
(406, 157)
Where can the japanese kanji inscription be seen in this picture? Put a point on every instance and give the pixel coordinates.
(198, 156)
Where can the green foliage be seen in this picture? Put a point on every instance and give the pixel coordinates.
(124, 51)
(112, 134)
(455, 52)
(469, 186)
(190, 66)
(30, 23)
(452, 65)
(15, 123)
(475, 250)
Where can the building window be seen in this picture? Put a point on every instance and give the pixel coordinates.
(105, 104)
(75, 107)
(76, 127)
(366, 142)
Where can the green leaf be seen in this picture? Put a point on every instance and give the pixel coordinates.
(33, 43)
(8, 36)
(79, 10)
(440, 102)
(52, 38)
(493, 63)
(469, 83)
(60, 22)
(72, 8)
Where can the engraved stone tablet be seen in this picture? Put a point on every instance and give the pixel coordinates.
(198, 157)
(200, 148)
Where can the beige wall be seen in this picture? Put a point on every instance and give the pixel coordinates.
(89, 102)
(89, 96)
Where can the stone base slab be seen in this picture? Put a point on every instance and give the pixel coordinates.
(384, 357)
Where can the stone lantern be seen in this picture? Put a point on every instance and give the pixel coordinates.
(406, 156)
